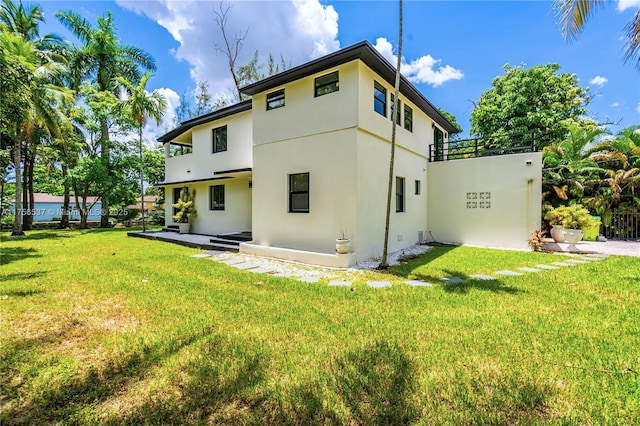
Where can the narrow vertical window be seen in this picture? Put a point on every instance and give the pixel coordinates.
(220, 139)
(393, 106)
(379, 99)
(275, 99)
(438, 142)
(399, 194)
(176, 197)
(327, 84)
(299, 193)
(408, 118)
(417, 187)
(216, 197)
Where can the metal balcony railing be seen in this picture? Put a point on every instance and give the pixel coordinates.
(483, 147)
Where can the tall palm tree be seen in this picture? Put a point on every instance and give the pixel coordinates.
(102, 59)
(573, 14)
(396, 110)
(139, 106)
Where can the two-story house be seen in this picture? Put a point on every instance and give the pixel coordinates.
(307, 158)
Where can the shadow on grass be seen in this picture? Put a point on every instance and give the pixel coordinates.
(24, 276)
(43, 235)
(12, 254)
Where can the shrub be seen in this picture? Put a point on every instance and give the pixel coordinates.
(571, 217)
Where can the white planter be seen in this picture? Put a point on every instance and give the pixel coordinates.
(343, 246)
(573, 237)
(557, 233)
(184, 227)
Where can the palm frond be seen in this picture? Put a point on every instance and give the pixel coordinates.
(571, 15)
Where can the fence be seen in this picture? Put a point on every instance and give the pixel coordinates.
(624, 226)
(483, 147)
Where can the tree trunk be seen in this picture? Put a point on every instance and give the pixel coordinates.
(28, 198)
(64, 217)
(144, 228)
(104, 154)
(17, 154)
(396, 110)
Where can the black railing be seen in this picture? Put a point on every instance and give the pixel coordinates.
(624, 226)
(483, 147)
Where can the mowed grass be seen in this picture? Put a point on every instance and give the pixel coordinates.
(100, 328)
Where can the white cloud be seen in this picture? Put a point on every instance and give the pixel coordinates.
(615, 105)
(299, 30)
(627, 4)
(598, 80)
(425, 69)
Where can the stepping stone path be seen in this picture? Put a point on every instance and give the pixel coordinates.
(378, 284)
(483, 277)
(418, 283)
(240, 264)
(509, 273)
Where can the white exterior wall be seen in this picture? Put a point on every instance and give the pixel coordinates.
(202, 162)
(236, 217)
(516, 197)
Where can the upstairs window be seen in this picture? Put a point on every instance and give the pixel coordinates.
(220, 139)
(275, 99)
(327, 84)
(399, 194)
(379, 99)
(216, 197)
(408, 118)
(299, 193)
(417, 187)
(393, 105)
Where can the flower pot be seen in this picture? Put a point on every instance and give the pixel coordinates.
(343, 246)
(557, 234)
(573, 237)
(184, 227)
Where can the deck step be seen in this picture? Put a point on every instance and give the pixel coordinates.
(172, 228)
(236, 236)
(225, 247)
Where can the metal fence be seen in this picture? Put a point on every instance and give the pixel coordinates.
(624, 226)
(483, 147)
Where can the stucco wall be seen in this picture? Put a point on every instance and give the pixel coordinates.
(235, 217)
(202, 162)
(514, 189)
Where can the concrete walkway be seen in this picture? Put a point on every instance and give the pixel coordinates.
(615, 247)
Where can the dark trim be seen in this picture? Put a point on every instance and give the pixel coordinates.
(191, 181)
(224, 172)
(203, 119)
(365, 52)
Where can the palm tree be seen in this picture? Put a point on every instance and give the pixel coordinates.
(396, 110)
(103, 59)
(139, 106)
(573, 14)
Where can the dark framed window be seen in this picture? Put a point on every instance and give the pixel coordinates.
(327, 84)
(417, 187)
(408, 118)
(216, 197)
(399, 194)
(220, 139)
(275, 99)
(176, 197)
(299, 193)
(392, 107)
(379, 99)
(438, 142)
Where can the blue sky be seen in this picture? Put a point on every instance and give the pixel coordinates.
(452, 49)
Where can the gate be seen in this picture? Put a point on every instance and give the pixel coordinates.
(624, 226)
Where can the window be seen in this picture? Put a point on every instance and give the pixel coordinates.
(299, 193)
(393, 104)
(399, 194)
(220, 139)
(216, 197)
(438, 141)
(275, 99)
(408, 118)
(327, 84)
(176, 197)
(379, 99)
(417, 187)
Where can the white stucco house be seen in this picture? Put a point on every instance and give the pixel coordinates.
(307, 158)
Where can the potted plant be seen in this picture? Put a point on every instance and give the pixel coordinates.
(573, 220)
(343, 243)
(555, 218)
(185, 207)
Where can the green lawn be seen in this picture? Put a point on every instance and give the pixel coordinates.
(99, 328)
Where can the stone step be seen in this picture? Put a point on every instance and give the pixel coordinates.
(235, 236)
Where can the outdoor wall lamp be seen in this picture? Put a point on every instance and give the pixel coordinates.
(529, 162)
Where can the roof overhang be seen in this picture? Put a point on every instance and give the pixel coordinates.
(365, 52)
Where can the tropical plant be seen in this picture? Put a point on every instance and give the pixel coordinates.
(101, 58)
(573, 14)
(185, 206)
(571, 217)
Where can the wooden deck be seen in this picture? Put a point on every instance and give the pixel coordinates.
(189, 240)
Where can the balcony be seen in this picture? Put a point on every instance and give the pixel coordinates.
(483, 147)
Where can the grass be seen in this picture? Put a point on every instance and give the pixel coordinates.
(98, 328)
